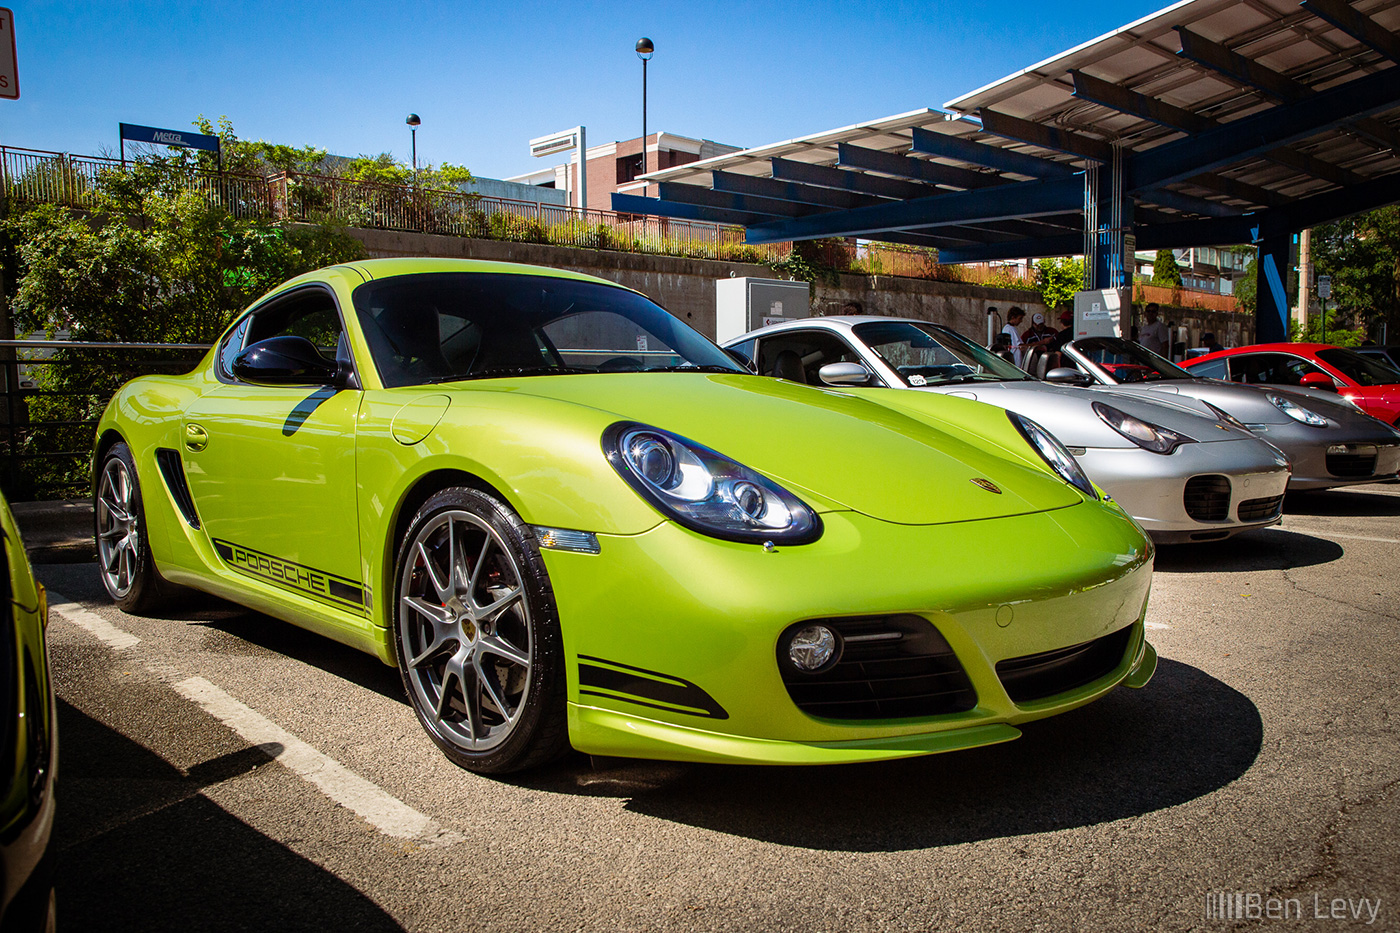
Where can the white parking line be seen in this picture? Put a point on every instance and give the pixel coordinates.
(91, 622)
(376, 806)
(1333, 534)
(1156, 625)
(386, 813)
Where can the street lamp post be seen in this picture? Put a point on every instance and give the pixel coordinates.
(644, 50)
(413, 123)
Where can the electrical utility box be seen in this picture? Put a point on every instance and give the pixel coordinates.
(746, 304)
(1102, 313)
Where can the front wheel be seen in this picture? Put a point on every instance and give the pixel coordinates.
(124, 559)
(477, 632)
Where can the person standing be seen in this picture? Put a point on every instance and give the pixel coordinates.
(1014, 317)
(1154, 335)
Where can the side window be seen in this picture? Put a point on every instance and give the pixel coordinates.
(310, 313)
(232, 345)
(798, 355)
(1277, 369)
(1215, 369)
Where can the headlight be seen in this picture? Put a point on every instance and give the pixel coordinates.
(1054, 453)
(1226, 417)
(1146, 435)
(706, 491)
(1297, 412)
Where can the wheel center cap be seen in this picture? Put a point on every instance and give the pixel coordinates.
(466, 623)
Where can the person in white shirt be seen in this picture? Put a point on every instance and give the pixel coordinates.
(1154, 335)
(1014, 317)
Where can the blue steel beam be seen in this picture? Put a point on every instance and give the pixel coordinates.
(1185, 202)
(635, 204)
(1259, 133)
(1357, 25)
(741, 203)
(1006, 202)
(1003, 160)
(790, 191)
(842, 180)
(1231, 64)
(1106, 94)
(902, 166)
(1067, 244)
(1046, 137)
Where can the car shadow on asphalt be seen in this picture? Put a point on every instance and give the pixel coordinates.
(1342, 502)
(1258, 549)
(140, 849)
(1133, 752)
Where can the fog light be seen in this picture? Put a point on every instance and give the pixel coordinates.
(813, 648)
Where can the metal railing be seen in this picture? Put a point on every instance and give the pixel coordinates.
(54, 395)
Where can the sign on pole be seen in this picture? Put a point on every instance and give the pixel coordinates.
(152, 134)
(1324, 286)
(9, 62)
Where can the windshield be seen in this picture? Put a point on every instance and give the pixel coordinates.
(1126, 361)
(448, 326)
(1362, 370)
(929, 355)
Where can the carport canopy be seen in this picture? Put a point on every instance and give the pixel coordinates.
(1208, 123)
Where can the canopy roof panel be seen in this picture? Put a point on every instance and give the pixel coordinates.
(1225, 117)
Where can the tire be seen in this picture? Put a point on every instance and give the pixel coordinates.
(477, 635)
(124, 559)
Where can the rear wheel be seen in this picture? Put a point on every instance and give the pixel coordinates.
(124, 559)
(477, 634)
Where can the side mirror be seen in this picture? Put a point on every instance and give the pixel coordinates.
(286, 360)
(1318, 381)
(844, 374)
(1068, 376)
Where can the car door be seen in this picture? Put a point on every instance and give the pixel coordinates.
(271, 468)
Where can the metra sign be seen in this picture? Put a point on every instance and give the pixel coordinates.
(152, 134)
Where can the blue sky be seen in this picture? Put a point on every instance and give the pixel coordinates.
(485, 78)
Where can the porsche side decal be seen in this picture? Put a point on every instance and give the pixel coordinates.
(318, 583)
(645, 688)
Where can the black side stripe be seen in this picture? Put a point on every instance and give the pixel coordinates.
(318, 583)
(646, 688)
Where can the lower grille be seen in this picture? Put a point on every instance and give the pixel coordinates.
(891, 667)
(1351, 465)
(1037, 676)
(1254, 510)
(1207, 498)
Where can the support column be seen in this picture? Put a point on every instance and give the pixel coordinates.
(1271, 288)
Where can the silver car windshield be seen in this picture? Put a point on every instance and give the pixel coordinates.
(1126, 361)
(449, 326)
(929, 355)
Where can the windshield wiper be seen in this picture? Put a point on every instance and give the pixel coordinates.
(692, 368)
(509, 371)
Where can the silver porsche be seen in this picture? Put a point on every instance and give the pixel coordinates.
(1183, 476)
(1330, 441)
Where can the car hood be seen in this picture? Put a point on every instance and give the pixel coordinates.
(835, 449)
(1068, 413)
(1251, 405)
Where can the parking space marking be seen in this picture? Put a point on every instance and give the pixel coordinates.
(376, 806)
(380, 809)
(1333, 534)
(1156, 625)
(91, 622)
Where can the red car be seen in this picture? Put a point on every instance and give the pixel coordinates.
(1372, 385)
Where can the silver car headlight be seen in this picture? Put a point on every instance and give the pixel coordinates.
(706, 491)
(1054, 453)
(1297, 412)
(1145, 434)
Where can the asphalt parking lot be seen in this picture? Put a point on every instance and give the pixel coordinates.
(221, 770)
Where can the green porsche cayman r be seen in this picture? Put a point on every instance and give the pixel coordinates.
(570, 520)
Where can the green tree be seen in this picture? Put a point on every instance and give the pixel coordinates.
(157, 261)
(1058, 280)
(1165, 271)
(1362, 255)
(1246, 289)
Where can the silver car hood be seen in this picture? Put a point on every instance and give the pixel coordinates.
(1068, 413)
(1251, 405)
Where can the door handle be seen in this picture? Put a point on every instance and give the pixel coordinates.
(196, 438)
